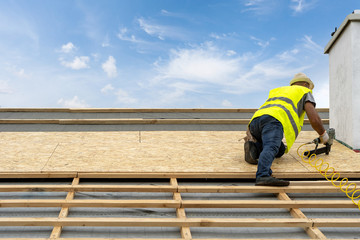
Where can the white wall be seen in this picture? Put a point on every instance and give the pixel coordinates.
(356, 84)
(344, 66)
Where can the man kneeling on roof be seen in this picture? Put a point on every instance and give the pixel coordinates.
(282, 114)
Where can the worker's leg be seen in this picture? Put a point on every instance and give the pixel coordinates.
(255, 130)
(278, 155)
(271, 137)
(281, 150)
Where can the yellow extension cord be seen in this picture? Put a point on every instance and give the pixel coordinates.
(331, 175)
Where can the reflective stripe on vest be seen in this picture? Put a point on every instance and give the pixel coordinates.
(288, 100)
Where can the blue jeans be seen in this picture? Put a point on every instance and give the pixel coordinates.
(268, 132)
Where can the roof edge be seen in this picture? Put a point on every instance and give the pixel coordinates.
(141, 110)
(348, 19)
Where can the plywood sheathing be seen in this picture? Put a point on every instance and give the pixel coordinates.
(149, 152)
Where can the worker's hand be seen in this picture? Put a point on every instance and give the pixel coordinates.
(324, 138)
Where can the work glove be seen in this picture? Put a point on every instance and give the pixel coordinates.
(324, 138)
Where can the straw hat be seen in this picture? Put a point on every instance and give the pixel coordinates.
(301, 77)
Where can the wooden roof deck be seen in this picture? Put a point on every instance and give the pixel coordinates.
(172, 157)
(153, 153)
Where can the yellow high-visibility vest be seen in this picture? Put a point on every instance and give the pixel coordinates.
(286, 104)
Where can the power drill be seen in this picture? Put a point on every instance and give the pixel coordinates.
(326, 149)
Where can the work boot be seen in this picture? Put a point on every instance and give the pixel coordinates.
(251, 152)
(271, 181)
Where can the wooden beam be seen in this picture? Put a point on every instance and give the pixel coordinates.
(132, 121)
(123, 121)
(312, 232)
(178, 175)
(139, 110)
(22, 175)
(119, 239)
(29, 121)
(169, 188)
(93, 203)
(195, 175)
(177, 222)
(209, 175)
(86, 188)
(268, 204)
(179, 203)
(317, 183)
(258, 189)
(56, 232)
(180, 212)
(336, 222)
(142, 121)
(162, 239)
(160, 222)
(136, 110)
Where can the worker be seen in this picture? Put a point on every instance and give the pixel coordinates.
(282, 114)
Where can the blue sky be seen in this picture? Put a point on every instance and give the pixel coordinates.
(162, 53)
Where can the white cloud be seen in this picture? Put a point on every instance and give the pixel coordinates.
(212, 69)
(176, 15)
(202, 64)
(152, 29)
(124, 97)
(77, 63)
(224, 36)
(278, 69)
(226, 103)
(321, 94)
(17, 71)
(67, 48)
(161, 31)
(300, 6)
(261, 77)
(124, 36)
(5, 88)
(254, 4)
(260, 7)
(75, 102)
(311, 45)
(216, 36)
(206, 70)
(165, 12)
(230, 53)
(288, 55)
(108, 88)
(262, 43)
(110, 67)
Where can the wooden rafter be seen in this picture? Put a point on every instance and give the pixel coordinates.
(182, 221)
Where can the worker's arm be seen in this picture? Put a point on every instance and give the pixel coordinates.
(315, 120)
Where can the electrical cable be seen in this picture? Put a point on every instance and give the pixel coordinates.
(331, 175)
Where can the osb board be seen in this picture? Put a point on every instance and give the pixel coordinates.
(341, 158)
(148, 151)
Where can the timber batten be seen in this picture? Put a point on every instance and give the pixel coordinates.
(282, 200)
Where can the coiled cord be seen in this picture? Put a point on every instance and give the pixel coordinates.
(324, 168)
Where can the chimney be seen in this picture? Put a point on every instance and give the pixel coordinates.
(344, 73)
